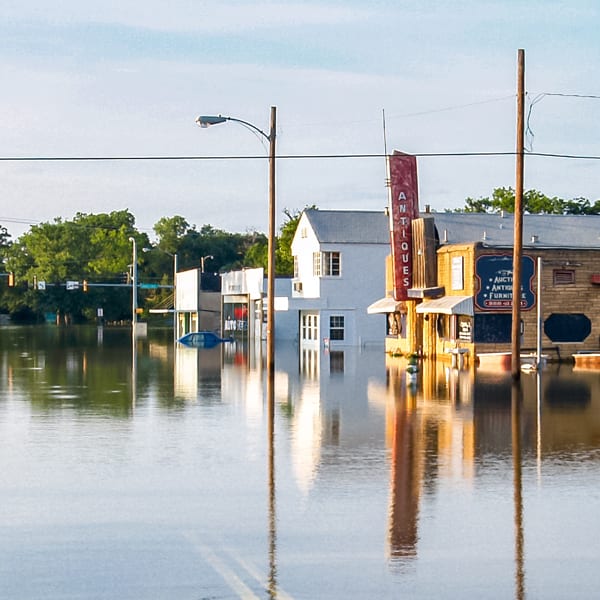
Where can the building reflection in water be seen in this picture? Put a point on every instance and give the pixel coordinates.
(440, 430)
(406, 469)
(197, 372)
(431, 432)
(331, 418)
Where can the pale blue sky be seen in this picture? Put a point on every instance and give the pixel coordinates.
(128, 79)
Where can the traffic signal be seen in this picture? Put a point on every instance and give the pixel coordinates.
(11, 279)
(85, 285)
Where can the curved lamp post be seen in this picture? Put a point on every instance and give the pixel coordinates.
(209, 257)
(206, 121)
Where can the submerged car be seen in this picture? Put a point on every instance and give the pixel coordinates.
(202, 339)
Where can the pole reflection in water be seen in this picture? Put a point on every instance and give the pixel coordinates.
(404, 501)
(538, 381)
(272, 581)
(133, 370)
(516, 402)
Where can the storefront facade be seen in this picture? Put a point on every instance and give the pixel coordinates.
(472, 312)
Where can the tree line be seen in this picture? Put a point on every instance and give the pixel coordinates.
(534, 202)
(95, 252)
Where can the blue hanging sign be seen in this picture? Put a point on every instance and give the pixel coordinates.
(494, 274)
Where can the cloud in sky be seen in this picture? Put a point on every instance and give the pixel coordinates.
(128, 79)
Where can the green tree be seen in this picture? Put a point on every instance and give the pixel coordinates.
(5, 244)
(534, 202)
(170, 232)
(284, 257)
(257, 253)
(95, 248)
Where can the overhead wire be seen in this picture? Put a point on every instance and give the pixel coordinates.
(282, 156)
(529, 135)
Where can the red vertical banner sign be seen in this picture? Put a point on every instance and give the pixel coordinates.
(404, 207)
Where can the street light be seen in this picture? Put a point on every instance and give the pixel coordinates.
(206, 121)
(134, 277)
(209, 257)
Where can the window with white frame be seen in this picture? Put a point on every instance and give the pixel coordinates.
(295, 266)
(330, 264)
(326, 264)
(336, 327)
(317, 264)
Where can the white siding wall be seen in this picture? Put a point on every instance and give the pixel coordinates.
(304, 248)
(362, 282)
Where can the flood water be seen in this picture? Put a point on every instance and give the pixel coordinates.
(153, 473)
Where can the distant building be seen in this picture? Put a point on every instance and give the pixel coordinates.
(242, 296)
(197, 302)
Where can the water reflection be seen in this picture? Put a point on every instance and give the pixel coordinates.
(272, 510)
(516, 403)
(406, 471)
(197, 374)
(339, 469)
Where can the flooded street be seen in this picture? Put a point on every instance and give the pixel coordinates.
(152, 472)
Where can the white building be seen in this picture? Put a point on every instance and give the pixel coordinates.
(339, 270)
(196, 308)
(242, 294)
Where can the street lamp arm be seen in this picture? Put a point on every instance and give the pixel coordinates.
(171, 254)
(207, 121)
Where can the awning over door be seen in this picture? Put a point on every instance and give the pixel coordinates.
(448, 305)
(385, 305)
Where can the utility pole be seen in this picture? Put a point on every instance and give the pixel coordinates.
(271, 252)
(518, 222)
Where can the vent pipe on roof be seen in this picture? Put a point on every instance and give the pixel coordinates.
(484, 236)
(427, 208)
(534, 239)
(502, 214)
(445, 235)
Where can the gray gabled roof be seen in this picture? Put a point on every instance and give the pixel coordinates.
(539, 231)
(349, 226)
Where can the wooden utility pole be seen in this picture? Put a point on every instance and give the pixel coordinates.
(271, 251)
(518, 226)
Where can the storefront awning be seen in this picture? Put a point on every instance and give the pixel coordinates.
(448, 305)
(385, 305)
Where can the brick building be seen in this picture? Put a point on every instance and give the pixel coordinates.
(461, 295)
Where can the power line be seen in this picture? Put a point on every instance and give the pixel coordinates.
(450, 108)
(562, 95)
(538, 98)
(280, 157)
(345, 123)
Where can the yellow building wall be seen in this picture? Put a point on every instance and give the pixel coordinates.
(581, 296)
